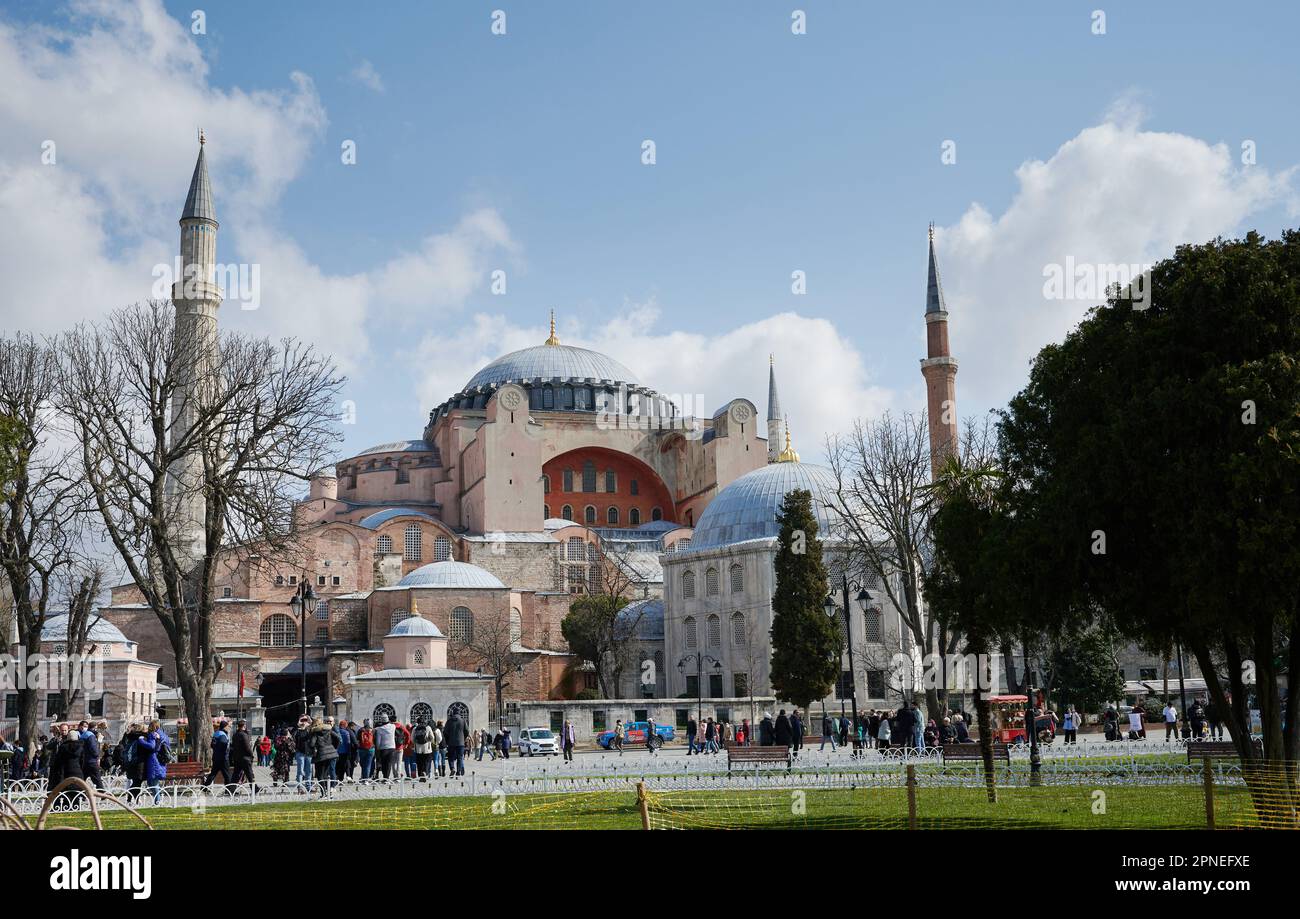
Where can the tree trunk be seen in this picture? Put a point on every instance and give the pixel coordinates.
(27, 726)
(984, 717)
(197, 693)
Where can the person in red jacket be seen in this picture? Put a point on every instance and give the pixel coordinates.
(264, 750)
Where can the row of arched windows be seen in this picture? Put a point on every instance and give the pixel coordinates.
(713, 631)
(613, 516)
(460, 629)
(711, 583)
(413, 545)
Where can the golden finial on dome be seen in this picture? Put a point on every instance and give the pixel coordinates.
(415, 608)
(787, 455)
(552, 340)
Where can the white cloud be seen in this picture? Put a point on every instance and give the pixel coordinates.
(1114, 194)
(822, 379)
(119, 93)
(366, 74)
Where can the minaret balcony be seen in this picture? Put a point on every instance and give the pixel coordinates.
(195, 289)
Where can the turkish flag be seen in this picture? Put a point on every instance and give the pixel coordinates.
(241, 684)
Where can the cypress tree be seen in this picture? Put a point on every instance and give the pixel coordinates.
(806, 643)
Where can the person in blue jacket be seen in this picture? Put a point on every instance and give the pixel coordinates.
(153, 771)
(220, 756)
(90, 755)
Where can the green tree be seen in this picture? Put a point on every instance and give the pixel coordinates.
(1082, 669)
(1158, 451)
(806, 643)
(596, 633)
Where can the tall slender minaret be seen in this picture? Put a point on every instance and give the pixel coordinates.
(775, 420)
(940, 371)
(196, 298)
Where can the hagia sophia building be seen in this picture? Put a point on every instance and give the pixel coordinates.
(553, 472)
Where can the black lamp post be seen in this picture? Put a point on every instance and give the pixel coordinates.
(700, 658)
(303, 598)
(1031, 725)
(863, 599)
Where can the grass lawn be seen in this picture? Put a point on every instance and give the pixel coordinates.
(1053, 807)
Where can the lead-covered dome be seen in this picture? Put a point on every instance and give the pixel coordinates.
(414, 627)
(546, 362)
(450, 574)
(746, 509)
(100, 630)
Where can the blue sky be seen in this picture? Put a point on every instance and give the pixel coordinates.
(775, 152)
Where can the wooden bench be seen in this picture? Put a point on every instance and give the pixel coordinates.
(758, 755)
(970, 752)
(1218, 749)
(187, 773)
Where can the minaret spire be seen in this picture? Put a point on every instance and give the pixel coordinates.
(197, 298)
(775, 422)
(939, 369)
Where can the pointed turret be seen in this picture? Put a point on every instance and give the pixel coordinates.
(198, 203)
(939, 369)
(934, 302)
(775, 422)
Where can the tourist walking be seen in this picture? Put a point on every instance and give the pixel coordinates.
(285, 752)
(220, 746)
(828, 733)
(386, 748)
(324, 754)
(568, 739)
(242, 755)
(154, 755)
(366, 750)
(454, 734)
(302, 759)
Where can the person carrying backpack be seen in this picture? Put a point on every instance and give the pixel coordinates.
(220, 755)
(423, 739)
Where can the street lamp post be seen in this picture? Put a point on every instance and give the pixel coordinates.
(700, 658)
(863, 599)
(302, 599)
(1031, 726)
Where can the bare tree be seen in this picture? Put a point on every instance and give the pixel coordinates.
(495, 645)
(881, 513)
(82, 585)
(246, 425)
(40, 514)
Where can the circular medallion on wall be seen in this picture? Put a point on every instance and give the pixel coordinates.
(741, 413)
(511, 397)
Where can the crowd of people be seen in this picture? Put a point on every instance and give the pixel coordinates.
(1203, 721)
(84, 751)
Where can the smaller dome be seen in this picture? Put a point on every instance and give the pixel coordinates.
(101, 630)
(642, 619)
(414, 627)
(451, 574)
(558, 523)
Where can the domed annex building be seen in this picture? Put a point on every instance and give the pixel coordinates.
(554, 471)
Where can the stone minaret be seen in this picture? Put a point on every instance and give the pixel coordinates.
(197, 298)
(939, 369)
(775, 421)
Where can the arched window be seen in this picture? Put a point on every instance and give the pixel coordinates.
(715, 630)
(278, 631)
(384, 544)
(656, 514)
(418, 656)
(634, 516)
(383, 712)
(611, 483)
(738, 636)
(688, 584)
(414, 543)
(462, 625)
(588, 476)
(692, 640)
(568, 480)
(546, 484)
(516, 627)
(567, 512)
(589, 514)
(397, 616)
(546, 512)
(548, 397)
(441, 549)
(635, 489)
(577, 549)
(421, 711)
(711, 582)
(737, 578)
(611, 516)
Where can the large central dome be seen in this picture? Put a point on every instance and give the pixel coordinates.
(549, 361)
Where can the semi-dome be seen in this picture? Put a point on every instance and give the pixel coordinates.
(746, 509)
(548, 362)
(101, 630)
(450, 574)
(414, 627)
(642, 619)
